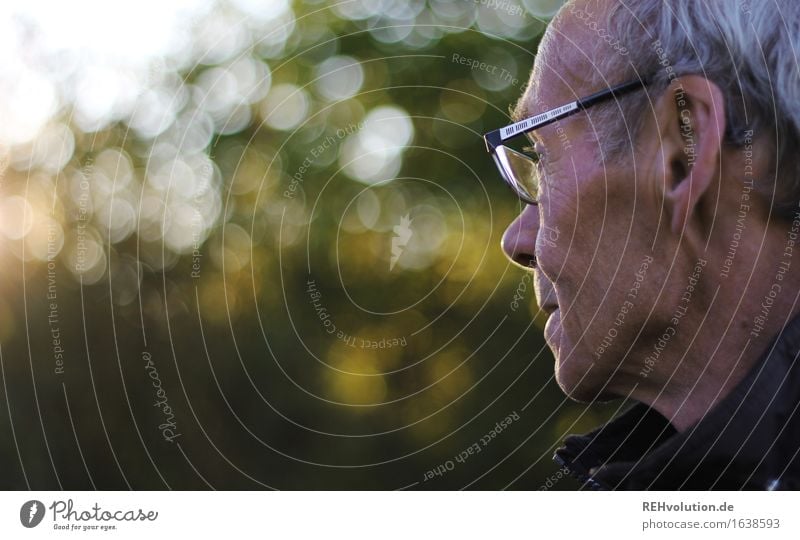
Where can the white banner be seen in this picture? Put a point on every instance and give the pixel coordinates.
(398, 515)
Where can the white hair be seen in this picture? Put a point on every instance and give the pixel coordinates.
(748, 48)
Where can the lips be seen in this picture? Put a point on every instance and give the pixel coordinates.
(552, 329)
(549, 308)
(545, 296)
(547, 299)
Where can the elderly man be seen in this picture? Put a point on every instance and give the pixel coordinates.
(661, 226)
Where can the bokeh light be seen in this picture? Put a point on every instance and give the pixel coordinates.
(174, 175)
(374, 154)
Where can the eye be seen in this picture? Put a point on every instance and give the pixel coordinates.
(531, 152)
(537, 155)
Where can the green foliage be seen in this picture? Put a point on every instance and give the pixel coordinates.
(403, 352)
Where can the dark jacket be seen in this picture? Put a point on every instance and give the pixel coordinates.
(749, 440)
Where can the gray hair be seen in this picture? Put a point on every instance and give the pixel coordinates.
(748, 48)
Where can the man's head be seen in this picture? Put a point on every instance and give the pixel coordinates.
(645, 192)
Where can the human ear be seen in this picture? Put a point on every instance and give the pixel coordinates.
(691, 118)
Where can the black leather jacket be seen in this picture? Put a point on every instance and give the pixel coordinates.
(749, 440)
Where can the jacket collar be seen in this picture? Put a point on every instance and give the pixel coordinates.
(749, 440)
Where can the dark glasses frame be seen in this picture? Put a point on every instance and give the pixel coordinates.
(504, 156)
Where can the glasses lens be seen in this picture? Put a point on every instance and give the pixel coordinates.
(520, 172)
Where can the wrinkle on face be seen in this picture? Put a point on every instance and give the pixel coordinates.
(565, 37)
(593, 204)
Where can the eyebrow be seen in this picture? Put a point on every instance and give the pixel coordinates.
(529, 123)
(520, 110)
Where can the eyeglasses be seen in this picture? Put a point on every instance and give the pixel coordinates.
(520, 171)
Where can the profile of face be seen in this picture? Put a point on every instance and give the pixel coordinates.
(589, 241)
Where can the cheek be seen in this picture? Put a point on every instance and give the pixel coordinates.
(592, 236)
(558, 205)
(575, 193)
(601, 224)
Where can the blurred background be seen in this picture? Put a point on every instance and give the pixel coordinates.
(254, 244)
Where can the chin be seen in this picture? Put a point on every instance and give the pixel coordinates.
(578, 379)
(575, 389)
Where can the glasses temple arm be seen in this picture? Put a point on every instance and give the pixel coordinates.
(603, 95)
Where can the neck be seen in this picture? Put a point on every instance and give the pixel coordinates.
(724, 334)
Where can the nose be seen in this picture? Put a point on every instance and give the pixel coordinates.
(519, 240)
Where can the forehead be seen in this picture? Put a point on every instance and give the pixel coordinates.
(567, 59)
